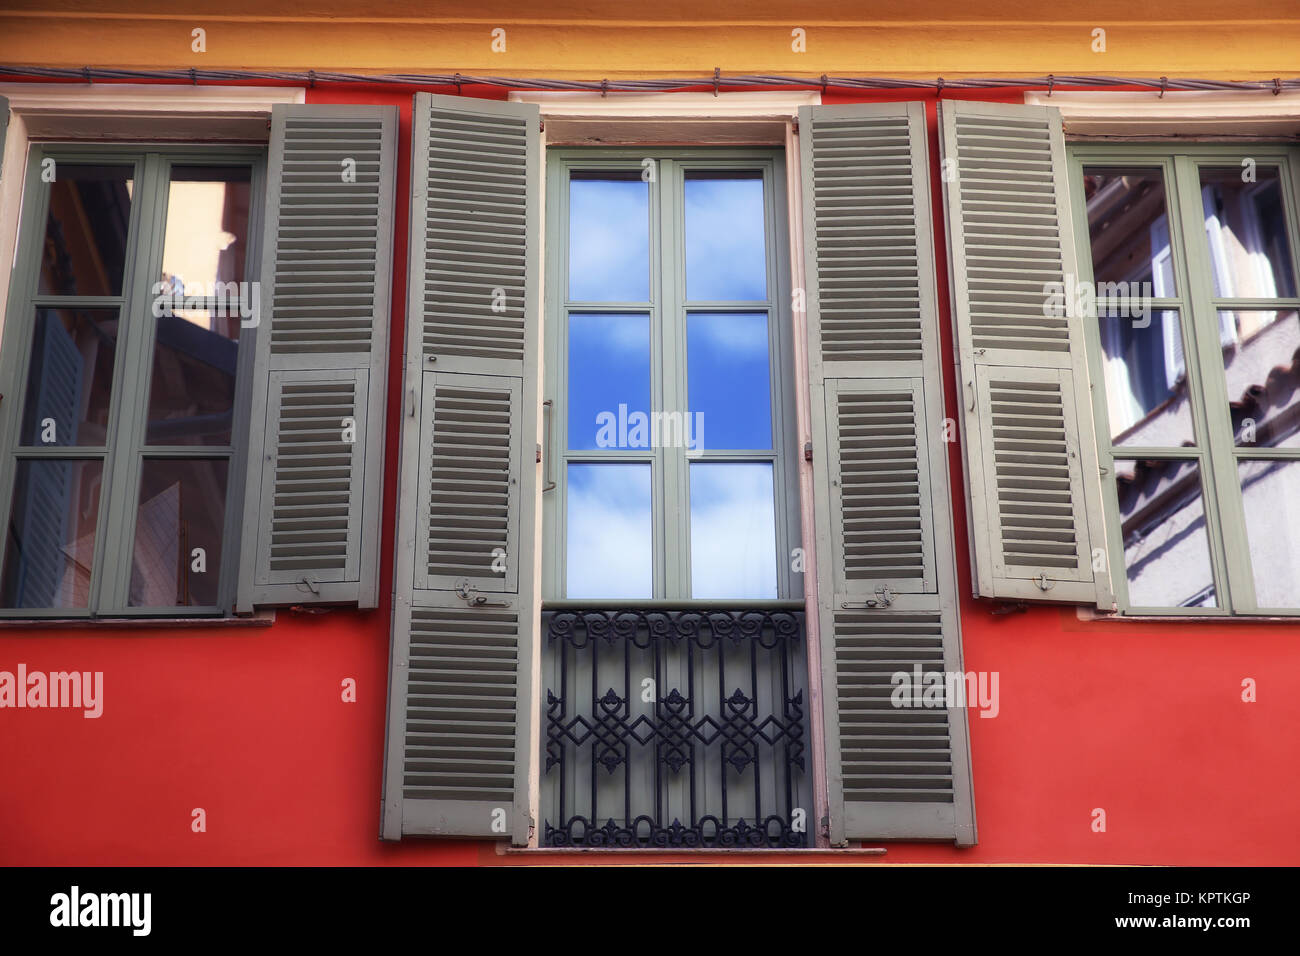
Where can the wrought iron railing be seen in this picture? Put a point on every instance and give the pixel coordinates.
(675, 728)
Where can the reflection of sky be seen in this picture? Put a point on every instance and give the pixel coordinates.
(609, 545)
(733, 531)
(609, 365)
(725, 245)
(609, 240)
(728, 378)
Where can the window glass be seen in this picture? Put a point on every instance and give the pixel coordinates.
(50, 549)
(1145, 372)
(179, 529)
(1245, 226)
(70, 377)
(1166, 546)
(726, 247)
(609, 380)
(609, 546)
(1270, 491)
(84, 251)
(1129, 231)
(609, 237)
(729, 379)
(733, 530)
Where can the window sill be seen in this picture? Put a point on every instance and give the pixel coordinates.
(611, 853)
(258, 619)
(1092, 614)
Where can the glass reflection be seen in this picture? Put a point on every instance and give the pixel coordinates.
(1245, 226)
(609, 547)
(51, 542)
(1263, 377)
(726, 247)
(1166, 548)
(1145, 371)
(179, 525)
(729, 379)
(70, 377)
(1270, 491)
(609, 237)
(609, 378)
(84, 251)
(1129, 228)
(733, 530)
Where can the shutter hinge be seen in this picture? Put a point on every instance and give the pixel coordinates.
(541, 126)
(1044, 582)
(826, 825)
(794, 124)
(807, 451)
(471, 595)
(539, 453)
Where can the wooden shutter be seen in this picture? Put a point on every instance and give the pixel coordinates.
(886, 573)
(1036, 518)
(316, 441)
(465, 623)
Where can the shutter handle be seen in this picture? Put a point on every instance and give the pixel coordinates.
(970, 403)
(471, 595)
(410, 403)
(548, 412)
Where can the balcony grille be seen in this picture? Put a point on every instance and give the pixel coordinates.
(675, 728)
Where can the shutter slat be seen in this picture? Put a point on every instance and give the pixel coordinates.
(313, 496)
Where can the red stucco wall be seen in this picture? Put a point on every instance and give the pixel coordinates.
(1144, 720)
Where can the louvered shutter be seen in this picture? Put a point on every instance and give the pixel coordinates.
(316, 441)
(465, 623)
(1032, 476)
(886, 571)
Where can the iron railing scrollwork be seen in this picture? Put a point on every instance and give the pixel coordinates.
(675, 728)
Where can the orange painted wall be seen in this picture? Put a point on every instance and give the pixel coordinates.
(1144, 720)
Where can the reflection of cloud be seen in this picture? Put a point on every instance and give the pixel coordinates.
(740, 337)
(609, 241)
(733, 531)
(609, 548)
(621, 334)
(725, 242)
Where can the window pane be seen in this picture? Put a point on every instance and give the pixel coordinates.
(1166, 548)
(733, 530)
(610, 543)
(1129, 230)
(85, 230)
(726, 246)
(609, 238)
(1259, 348)
(179, 527)
(1146, 373)
(51, 543)
(192, 385)
(70, 377)
(1245, 225)
(609, 380)
(729, 380)
(206, 239)
(1270, 491)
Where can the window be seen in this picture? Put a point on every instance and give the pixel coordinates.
(122, 355)
(667, 377)
(1194, 352)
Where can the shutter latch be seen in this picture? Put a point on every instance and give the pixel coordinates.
(471, 595)
(1044, 582)
(884, 598)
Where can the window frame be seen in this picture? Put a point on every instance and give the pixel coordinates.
(671, 559)
(1197, 306)
(125, 450)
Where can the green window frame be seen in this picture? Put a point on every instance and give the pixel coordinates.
(124, 449)
(668, 306)
(1215, 451)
